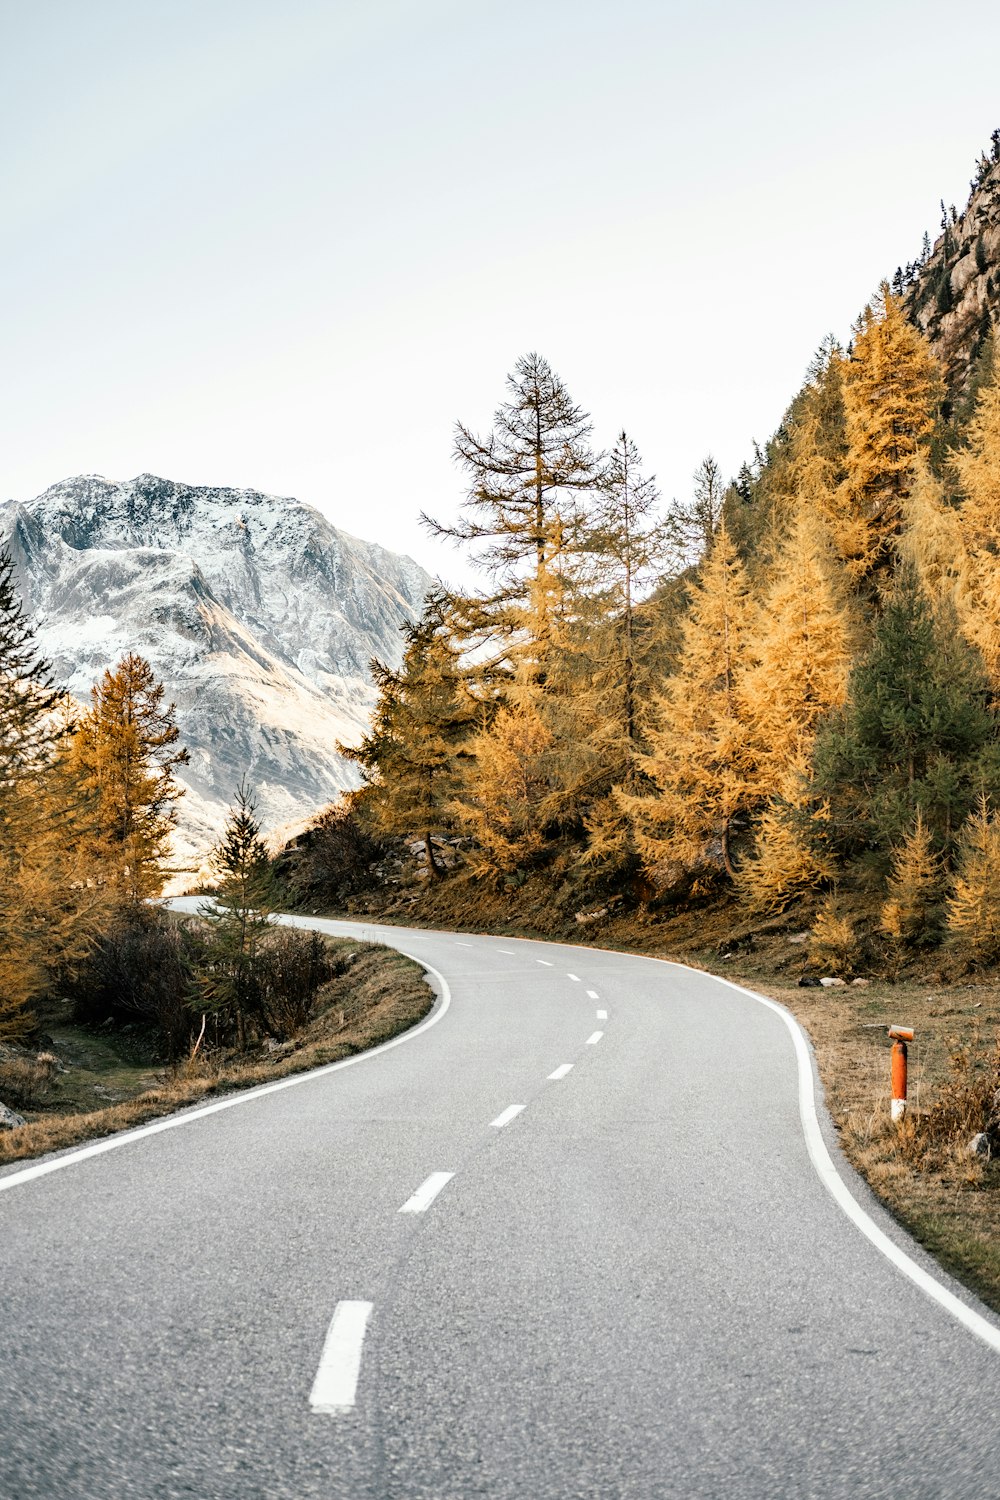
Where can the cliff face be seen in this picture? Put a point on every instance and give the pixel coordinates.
(259, 617)
(953, 294)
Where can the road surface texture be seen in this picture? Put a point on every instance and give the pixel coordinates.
(387, 1282)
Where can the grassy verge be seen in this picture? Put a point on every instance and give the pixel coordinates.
(948, 1199)
(98, 1088)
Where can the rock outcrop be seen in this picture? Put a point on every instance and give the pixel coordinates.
(953, 293)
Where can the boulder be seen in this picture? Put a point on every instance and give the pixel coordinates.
(980, 1145)
(828, 982)
(9, 1120)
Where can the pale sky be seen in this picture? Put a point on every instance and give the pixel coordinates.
(285, 244)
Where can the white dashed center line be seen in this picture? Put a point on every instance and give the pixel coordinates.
(544, 962)
(336, 1380)
(463, 945)
(602, 1015)
(593, 995)
(508, 951)
(426, 1193)
(562, 1070)
(574, 977)
(593, 1039)
(510, 1113)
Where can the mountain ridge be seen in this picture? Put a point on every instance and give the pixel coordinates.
(258, 614)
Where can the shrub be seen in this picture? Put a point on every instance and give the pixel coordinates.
(330, 861)
(140, 972)
(832, 941)
(967, 1104)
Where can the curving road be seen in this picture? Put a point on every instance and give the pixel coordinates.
(384, 1280)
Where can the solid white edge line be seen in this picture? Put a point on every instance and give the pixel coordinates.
(171, 1122)
(594, 1039)
(510, 1113)
(837, 1188)
(335, 1387)
(602, 1015)
(561, 1071)
(426, 1193)
(823, 1163)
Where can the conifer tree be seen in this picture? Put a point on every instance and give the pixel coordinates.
(126, 750)
(238, 919)
(508, 786)
(973, 909)
(801, 649)
(911, 912)
(916, 731)
(892, 389)
(527, 480)
(978, 470)
(699, 759)
(628, 543)
(978, 466)
(690, 526)
(412, 757)
(789, 856)
(933, 543)
(49, 908)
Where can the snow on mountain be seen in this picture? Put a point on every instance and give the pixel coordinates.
(259, 616)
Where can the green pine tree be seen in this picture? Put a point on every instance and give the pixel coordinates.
(238, 919)
(917, 731)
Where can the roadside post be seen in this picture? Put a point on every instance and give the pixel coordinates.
(899, 1035)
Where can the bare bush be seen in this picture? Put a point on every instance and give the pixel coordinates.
(330, 861)
(140, 973)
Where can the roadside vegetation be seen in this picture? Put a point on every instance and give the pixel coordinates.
(84, 1079)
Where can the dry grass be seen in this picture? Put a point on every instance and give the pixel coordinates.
(380, 994)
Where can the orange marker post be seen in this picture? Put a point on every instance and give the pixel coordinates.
(900, 1035)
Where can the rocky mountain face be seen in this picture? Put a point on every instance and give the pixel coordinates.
(953, 292)
(259, 616)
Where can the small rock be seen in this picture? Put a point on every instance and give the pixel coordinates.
(860, 984)
(583, 917)
(980, 1145)
(799, 937)
(9, 1120)
(829, 982)
(809, 982)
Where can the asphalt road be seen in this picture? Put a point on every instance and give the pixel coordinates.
(638, 1286)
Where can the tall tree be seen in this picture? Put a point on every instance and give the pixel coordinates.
(238, 919)
(412, 757)
(49, 909)
(892, 390)
(628, 545)
(526, 481)
(127, 751)
(691, 525)
(916, 732)
(801, 652)
(699, 759)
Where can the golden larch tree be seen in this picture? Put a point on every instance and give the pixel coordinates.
(911, 911)
(973, 908)
(699, 762)
(801, 651)
(892, 390)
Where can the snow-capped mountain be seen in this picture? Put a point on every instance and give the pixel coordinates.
(258, 615)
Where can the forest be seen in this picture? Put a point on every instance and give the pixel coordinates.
(782, 691)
